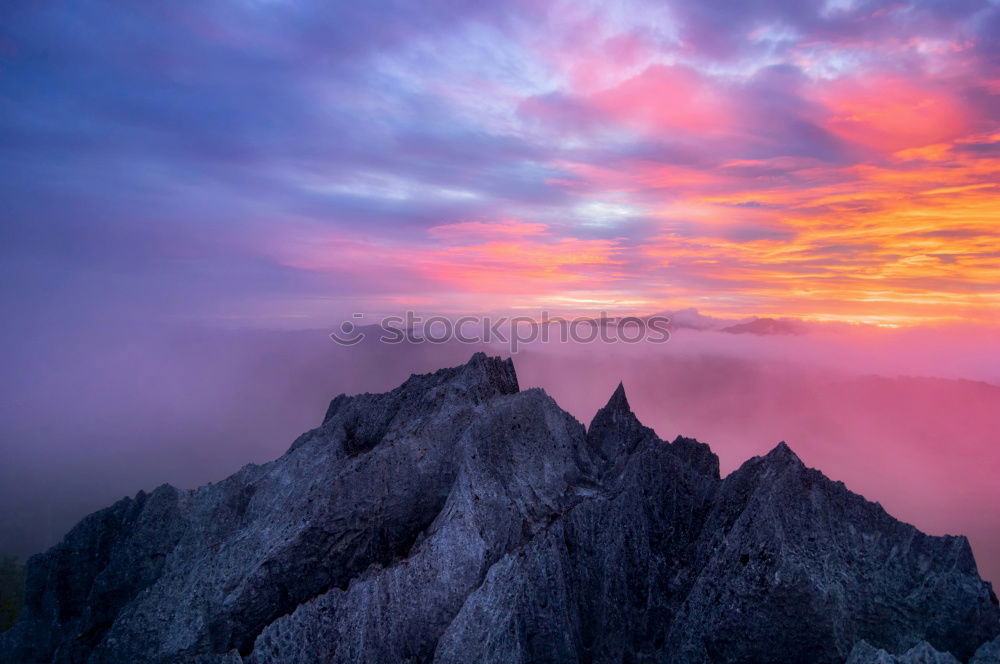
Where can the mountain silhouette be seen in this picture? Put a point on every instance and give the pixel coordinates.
(460, 519)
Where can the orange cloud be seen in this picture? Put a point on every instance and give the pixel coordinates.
(882, 243)
(515, 257)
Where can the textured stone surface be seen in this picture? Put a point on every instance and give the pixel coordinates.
(458, 519)
(988, 653)
(921, 653)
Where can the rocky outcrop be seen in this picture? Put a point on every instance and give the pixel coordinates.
(459, 519)
(988, 653)
(921, 653)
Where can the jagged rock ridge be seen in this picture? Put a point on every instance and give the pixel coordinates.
(459, 519)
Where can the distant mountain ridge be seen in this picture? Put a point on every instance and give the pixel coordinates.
(460, 519)
(768, 326)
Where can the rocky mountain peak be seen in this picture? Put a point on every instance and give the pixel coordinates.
(618, 401)
(457, 519)
(783, 454)
(494, 373)
(615, 431)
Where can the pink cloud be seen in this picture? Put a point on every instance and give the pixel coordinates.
(665, 98)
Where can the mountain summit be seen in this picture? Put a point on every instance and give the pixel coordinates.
(459, 519)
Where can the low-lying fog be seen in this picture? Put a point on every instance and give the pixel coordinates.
(908, 418)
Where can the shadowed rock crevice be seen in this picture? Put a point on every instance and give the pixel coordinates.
(458, 519)
(390, 553)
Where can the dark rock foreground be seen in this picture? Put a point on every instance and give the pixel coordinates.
(457, 519)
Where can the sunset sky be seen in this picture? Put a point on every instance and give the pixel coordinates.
(193, 194)
(282, 162)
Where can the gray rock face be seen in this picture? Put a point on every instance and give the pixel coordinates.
(921, 653)
(458, 519)
(988, 653)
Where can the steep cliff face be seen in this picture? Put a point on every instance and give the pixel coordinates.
(458, 519)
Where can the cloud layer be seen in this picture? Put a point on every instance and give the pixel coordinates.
(276, 161)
